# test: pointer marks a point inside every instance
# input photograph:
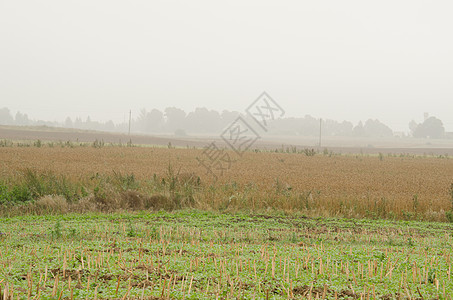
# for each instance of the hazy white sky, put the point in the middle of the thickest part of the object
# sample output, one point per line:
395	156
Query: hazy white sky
391	59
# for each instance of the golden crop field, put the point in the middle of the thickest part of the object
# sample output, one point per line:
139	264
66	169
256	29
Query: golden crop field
324	184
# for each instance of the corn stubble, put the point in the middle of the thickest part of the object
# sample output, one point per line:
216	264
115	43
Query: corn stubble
199	255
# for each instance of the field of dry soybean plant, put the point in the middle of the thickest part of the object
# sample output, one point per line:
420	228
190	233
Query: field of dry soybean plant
325	184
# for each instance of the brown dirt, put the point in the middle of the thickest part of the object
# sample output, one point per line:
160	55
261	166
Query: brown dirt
335	144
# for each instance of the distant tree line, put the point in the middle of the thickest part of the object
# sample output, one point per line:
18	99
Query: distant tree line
21	119
432	127
203	121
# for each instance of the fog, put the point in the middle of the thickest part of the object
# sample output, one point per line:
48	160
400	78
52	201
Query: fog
340	60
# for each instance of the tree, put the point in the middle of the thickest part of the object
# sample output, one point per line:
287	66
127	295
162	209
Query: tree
359	130
344	128
203	120
175	118
68	123
412	126
109	126
155	120
5	117
150	121
375	128
228	117
431	128
308	126
78	123
141	120
22	119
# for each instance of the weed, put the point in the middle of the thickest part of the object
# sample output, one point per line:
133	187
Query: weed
125	182
410	242
309	152
450	192
293	238
130	229
98	143
381	156
154	233
449	216
72	233
20	193
431	275
56	232
407	215
37	144
6	143
15	195
415	203
380	256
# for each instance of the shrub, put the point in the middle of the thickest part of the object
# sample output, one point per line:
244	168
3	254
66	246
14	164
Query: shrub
449	215
20	193
3	193
450	192
125	182
42	184
98	143
16	194
309	152
37	144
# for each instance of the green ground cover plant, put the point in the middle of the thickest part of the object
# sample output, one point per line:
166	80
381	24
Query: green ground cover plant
192	254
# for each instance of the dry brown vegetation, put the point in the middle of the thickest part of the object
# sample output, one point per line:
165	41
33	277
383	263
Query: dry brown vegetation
399	186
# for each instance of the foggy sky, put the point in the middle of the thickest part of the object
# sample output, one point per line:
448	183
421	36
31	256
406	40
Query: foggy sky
353	60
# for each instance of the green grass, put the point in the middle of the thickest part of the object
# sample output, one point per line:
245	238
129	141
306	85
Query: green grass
189	254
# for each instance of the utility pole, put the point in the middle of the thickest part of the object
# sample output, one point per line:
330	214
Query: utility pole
320	132
130	114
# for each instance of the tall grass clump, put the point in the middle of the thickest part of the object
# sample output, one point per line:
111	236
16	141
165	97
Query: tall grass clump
47	183
449	214
6	143
14	194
